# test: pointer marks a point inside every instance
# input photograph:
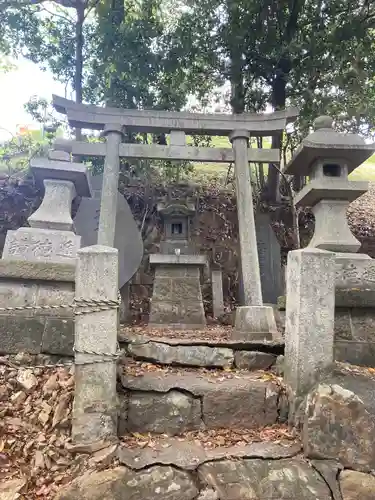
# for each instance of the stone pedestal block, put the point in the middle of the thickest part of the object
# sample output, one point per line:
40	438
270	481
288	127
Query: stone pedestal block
310	307
33	244
255	323
95	402
33	284
354	280
177	298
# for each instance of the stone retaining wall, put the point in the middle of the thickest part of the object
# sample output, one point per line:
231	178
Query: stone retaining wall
172	404
30	284
178	470
354	334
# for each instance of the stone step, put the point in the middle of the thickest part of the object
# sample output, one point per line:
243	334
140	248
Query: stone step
173	400
179	469
196	448
204	349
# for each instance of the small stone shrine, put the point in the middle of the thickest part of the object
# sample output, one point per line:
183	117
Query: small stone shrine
38	263
327	158
177	296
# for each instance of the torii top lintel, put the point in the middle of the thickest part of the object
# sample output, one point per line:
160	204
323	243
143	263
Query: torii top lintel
95	117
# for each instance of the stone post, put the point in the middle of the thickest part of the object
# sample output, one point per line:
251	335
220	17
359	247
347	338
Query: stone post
246	222
309	327
95	401
217	292
108	206
253	321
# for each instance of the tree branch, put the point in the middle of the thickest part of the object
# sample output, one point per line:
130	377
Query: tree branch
66	18
30	3
91	8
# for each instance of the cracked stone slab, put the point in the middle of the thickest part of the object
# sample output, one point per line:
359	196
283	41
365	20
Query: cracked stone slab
339	421
243	402
196	355
189	455
357	485
256	345
329	470
286	479
166	483
171	413
196	384
254	360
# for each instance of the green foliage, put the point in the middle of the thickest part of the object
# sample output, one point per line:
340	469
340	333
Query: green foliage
314	54
16	153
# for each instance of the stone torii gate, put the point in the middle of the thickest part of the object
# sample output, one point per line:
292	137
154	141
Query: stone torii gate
253	319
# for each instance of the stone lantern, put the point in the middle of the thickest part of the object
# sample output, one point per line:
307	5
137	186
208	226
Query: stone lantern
177	297
327	157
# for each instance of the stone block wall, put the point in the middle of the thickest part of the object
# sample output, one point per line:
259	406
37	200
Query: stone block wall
355	335
177	297
36	331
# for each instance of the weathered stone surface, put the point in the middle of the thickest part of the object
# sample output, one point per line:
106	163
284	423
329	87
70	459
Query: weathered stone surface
170	413
48	271
9	490
240	407
255	323
279	365
55	210
43	168
182	355
183	454
189	455
354	280
177	300
357	486
217	292
262	479
128	240
308	335
208	494
239	401
355	353
329	470
253	360
58	336
196	384
121	483
269	258
18	333
95	398
164	121
340	422
134	338
43	245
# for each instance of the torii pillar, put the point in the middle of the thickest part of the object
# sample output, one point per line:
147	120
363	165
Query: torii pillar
254	321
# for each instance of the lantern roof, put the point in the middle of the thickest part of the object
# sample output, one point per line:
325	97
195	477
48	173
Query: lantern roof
327	144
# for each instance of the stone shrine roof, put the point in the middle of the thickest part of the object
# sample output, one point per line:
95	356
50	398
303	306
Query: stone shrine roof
328	144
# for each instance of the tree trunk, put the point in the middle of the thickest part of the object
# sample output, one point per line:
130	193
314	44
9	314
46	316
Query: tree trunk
79	58
235	50
278	102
